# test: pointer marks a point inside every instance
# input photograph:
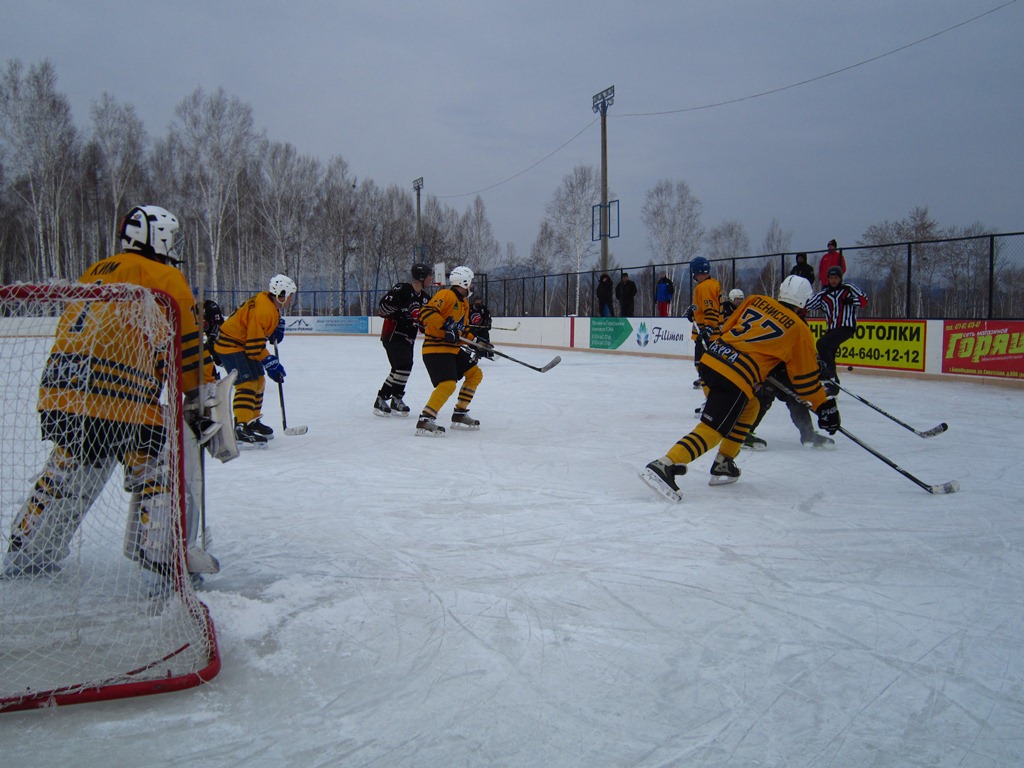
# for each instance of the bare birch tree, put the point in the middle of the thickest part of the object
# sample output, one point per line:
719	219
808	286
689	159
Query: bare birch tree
211	141
41	146
569	215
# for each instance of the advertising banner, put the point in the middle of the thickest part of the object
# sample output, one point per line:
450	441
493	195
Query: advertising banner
299	324
984	348
664	335
893	344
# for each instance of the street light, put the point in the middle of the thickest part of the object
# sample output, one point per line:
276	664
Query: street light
417	184
602	101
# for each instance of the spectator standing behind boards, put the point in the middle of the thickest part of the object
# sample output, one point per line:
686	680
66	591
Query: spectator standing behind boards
833	257
625	292
803	269
605	292
663	292
839	301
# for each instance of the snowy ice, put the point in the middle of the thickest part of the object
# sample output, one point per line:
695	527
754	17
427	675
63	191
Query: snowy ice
515	596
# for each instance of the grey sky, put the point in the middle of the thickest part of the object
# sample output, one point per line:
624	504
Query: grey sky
469	94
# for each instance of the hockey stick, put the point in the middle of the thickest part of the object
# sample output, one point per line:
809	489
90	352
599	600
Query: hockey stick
301	430
499	328
493	351
936	430
951	487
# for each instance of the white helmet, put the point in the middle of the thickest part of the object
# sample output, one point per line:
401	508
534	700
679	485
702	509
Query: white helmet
462	277
736	296
150	230
795	291
282	284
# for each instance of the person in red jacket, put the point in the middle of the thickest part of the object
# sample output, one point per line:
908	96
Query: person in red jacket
833	257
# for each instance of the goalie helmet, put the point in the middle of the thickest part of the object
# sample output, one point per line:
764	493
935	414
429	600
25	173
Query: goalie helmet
795	291
150	230
282	284
461	277
736	296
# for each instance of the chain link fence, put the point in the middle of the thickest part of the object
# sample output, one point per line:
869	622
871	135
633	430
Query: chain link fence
970	278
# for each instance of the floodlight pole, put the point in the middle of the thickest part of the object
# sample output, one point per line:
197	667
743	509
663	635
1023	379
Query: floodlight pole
602	101
417	184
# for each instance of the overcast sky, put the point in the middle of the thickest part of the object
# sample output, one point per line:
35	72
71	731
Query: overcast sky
472	96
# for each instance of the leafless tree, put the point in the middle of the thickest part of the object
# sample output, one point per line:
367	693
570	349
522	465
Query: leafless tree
286	182
211	141
569	215
41	147
122	146
672	215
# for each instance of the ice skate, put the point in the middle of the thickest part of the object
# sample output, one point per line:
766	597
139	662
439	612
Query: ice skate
426	426
259	428
755	443
698	384
381	407
249	438
462	420
814	440
660	478
398	407
724	471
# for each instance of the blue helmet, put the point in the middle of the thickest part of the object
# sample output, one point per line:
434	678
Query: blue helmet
700	266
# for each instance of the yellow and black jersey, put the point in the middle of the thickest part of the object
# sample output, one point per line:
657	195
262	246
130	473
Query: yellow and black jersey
759	335
445	304
249	327
104	365
707	297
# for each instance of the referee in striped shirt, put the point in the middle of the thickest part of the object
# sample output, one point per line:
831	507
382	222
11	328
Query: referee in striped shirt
839	302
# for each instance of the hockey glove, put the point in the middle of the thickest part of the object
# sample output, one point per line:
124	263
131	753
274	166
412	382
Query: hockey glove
277	335
704	334
452	331
274	368
688	313
828	416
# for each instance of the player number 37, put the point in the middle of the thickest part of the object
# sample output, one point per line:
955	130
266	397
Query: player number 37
752	318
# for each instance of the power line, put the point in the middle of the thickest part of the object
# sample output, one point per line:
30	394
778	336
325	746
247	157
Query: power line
727	102
818	77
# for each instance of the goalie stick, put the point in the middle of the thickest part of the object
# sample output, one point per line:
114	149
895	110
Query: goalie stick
301	430
936	430
951	487
540	369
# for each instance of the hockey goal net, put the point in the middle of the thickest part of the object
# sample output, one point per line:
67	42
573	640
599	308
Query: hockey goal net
81	619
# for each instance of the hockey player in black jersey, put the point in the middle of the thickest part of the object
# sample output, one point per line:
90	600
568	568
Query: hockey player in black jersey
400	308
480	324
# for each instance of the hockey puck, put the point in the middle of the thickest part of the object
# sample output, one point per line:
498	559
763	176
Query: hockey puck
849	367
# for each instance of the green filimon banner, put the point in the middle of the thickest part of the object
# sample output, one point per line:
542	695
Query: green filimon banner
609	332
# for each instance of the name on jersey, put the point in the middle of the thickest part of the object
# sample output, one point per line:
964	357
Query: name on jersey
772	310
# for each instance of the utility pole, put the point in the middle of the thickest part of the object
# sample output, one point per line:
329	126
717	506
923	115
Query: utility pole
602	101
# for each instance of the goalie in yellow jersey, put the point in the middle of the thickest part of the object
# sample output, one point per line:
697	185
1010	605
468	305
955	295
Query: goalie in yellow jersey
758	336
99	403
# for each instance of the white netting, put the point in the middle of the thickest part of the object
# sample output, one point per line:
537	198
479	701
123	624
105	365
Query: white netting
80	619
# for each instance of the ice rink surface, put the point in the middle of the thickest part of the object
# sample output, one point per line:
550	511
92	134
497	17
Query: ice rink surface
516	596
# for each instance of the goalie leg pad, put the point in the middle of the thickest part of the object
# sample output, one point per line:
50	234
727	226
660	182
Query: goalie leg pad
222	445
48	520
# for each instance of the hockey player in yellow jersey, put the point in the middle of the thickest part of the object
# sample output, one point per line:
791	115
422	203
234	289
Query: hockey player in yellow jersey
706	311
99	403
445	318
242	346
761	333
